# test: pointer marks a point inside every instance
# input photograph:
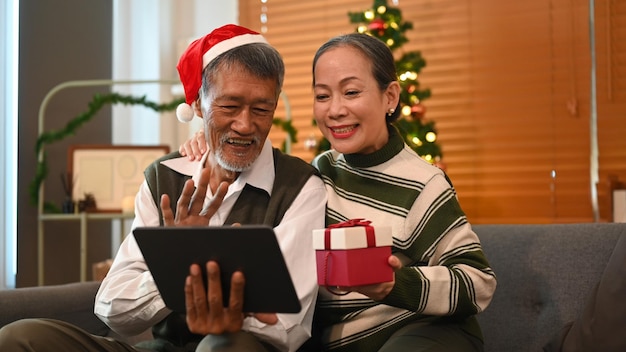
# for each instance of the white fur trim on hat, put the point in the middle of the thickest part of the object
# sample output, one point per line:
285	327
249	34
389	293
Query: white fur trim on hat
231	43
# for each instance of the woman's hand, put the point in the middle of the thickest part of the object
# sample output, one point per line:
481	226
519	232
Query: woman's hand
195	147
377	292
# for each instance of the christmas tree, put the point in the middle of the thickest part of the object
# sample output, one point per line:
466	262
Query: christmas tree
385	23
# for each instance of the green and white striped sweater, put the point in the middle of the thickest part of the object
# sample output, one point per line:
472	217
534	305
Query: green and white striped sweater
445	277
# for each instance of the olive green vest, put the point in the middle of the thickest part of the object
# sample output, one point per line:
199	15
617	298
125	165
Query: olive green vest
254	206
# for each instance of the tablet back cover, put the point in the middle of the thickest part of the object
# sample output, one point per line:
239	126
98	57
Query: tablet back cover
253	250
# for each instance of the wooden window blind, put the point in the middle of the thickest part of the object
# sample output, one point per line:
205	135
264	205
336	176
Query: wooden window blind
510	98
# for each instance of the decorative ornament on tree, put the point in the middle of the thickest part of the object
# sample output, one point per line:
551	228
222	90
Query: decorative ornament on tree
377	25
418	111
385	23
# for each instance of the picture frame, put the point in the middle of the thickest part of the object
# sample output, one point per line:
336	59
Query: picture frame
110	173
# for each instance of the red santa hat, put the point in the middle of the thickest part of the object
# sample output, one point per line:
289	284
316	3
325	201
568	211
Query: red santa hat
200	53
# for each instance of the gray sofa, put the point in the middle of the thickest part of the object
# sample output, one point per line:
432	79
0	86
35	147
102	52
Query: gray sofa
69	302
545	273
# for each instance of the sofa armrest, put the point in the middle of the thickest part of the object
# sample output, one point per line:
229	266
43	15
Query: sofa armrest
72	303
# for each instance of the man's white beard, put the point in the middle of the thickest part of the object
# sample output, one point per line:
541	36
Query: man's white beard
229	166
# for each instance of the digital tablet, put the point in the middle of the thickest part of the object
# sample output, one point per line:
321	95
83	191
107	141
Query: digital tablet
253	250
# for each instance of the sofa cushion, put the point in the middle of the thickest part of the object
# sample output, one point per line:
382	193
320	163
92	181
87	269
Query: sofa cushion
545	273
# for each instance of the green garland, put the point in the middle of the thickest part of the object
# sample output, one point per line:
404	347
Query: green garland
95	105
72	126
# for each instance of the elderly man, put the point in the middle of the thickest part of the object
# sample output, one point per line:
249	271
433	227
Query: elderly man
232	80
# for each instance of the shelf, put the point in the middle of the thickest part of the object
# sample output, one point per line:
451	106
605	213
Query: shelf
88	216
83	217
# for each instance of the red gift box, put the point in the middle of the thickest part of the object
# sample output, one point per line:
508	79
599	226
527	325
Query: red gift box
353	253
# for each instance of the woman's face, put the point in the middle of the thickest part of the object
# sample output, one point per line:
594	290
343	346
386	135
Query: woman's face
349	106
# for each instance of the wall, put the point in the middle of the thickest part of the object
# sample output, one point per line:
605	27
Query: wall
59	41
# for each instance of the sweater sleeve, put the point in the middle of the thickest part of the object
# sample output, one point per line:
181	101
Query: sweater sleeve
445	271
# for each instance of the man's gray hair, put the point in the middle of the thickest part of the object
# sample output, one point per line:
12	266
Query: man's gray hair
260	59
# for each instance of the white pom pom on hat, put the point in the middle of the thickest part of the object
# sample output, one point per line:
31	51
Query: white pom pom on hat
184	112
200	53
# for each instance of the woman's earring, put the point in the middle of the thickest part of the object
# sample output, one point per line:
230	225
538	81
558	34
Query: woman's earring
390	112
